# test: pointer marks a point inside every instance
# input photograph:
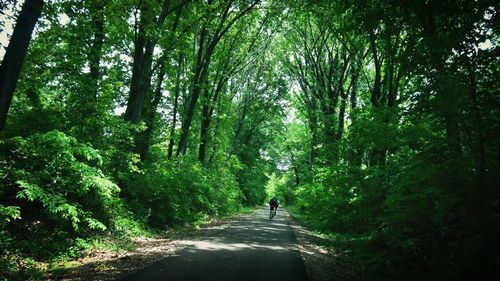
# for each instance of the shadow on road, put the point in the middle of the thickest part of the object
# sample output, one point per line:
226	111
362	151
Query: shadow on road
251	248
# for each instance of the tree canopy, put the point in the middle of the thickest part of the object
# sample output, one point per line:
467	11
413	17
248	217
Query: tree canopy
376	122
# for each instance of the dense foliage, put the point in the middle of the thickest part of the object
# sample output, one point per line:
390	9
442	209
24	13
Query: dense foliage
130	117
376	122
395	142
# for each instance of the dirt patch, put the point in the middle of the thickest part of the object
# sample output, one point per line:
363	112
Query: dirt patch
107	265
322	263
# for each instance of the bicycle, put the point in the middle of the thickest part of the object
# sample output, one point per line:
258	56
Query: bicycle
273	213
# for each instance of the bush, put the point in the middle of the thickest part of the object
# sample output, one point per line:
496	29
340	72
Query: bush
253	181
167	193
63	177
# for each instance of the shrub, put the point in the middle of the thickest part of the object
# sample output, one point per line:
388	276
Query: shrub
177	192
63	177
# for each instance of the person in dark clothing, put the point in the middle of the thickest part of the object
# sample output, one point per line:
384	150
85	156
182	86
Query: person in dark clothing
273	205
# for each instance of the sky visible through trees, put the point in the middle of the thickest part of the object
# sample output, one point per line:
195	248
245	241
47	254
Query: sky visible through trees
376	123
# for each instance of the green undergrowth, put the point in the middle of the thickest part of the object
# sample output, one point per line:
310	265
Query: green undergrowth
351	247
366	252
62	199
57	255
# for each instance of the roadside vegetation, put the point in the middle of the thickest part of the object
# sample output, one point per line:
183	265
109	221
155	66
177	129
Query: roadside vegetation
375	122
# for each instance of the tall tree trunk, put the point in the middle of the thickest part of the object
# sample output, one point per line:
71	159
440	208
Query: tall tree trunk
207	113
198	80
354	90
391	82
143	58
445	97
204	58
149	107
143	140
314	143
340	129
392	79
205	124
135	98
15	54
328	120
376	91
355	155
88	127
175	109
95	54
294	165
188	119
312	111
203	63
216	130
239	126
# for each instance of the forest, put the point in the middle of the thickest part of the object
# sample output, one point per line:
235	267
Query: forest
376	122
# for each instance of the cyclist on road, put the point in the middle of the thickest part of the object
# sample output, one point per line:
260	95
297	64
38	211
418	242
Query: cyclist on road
273	204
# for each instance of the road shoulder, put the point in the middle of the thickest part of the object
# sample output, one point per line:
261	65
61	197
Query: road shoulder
322	263
105	264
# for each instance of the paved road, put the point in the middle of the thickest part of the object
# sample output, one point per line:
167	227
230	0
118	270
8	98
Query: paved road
251	248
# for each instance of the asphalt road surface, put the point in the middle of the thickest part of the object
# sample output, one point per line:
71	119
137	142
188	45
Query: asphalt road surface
251	248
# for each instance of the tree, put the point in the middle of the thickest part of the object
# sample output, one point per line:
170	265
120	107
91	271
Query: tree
208	41
15	54
376	122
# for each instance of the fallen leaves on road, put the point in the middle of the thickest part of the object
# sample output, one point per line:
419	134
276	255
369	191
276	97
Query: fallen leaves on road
102	264
322	263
